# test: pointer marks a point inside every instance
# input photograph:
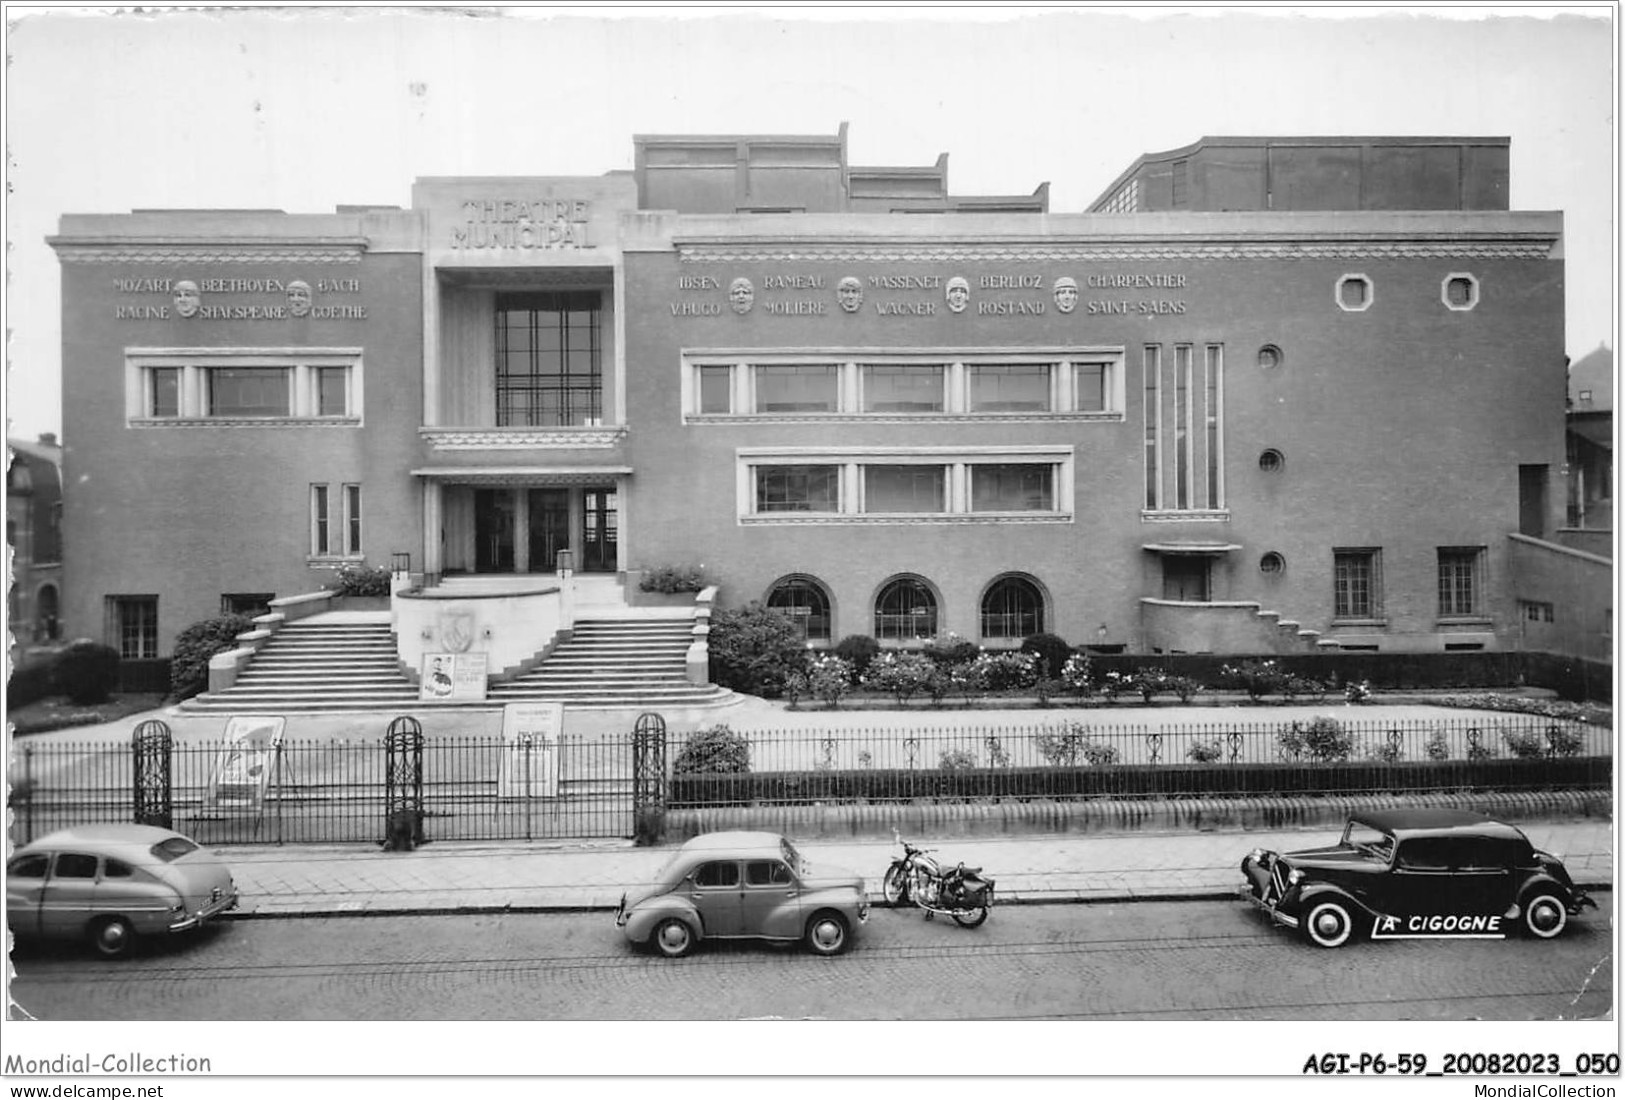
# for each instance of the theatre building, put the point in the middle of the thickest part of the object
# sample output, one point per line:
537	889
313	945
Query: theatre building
1267	396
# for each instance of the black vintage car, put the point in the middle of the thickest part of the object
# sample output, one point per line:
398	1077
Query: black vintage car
1416	874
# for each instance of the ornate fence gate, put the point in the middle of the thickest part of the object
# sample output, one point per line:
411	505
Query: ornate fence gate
403	783
151	748
648	776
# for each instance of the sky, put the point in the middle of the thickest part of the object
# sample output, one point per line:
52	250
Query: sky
303	109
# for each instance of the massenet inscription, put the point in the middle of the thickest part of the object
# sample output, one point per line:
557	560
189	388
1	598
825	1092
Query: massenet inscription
1025	294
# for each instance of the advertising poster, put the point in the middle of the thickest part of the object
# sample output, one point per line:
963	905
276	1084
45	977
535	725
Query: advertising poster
530	750
453	678
243	770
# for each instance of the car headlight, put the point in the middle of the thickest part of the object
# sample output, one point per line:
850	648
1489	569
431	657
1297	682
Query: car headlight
1256	855
1294	876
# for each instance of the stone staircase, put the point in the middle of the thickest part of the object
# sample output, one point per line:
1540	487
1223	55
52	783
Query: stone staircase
620	661
320	665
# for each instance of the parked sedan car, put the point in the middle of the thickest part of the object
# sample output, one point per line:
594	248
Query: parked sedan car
742	885
1416	874
110	884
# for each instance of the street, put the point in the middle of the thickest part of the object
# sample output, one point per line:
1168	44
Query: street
1127	961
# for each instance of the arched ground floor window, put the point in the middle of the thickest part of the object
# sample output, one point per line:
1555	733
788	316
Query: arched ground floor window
807	602
1012	607
905	608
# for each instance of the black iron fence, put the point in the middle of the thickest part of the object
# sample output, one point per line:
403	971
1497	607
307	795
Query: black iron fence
1082	759
333	791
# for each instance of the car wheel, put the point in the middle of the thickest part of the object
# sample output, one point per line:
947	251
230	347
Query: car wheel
1545	916
673	938
976	918
895	885
827	933
112	937
1328	924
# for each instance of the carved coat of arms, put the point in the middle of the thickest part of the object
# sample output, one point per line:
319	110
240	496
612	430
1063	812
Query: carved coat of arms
457	630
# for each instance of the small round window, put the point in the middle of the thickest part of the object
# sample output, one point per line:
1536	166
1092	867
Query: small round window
1459	291
1271	563
1271	461
1269	356
1354	293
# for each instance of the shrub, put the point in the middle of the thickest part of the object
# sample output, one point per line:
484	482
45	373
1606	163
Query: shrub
1077	675
1205	752
673	578
189	666
858	650
1099	753
997	755
1256	678
1301	687
1387	751
1112	685
754	649
1148	682
830	678
1186	687
361	580
968	678
1323	739
714	751
1564	742
88	672
1006	671
956	760
1555	741
950	649
1062	745
1437	748
32	680
1050	649
1357	693
1046	689
902	675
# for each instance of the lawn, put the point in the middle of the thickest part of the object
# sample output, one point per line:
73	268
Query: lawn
58	712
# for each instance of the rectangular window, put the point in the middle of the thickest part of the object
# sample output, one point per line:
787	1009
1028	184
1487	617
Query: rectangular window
1211	409
905	488
798	488
1009	387
249	391
1535	611
134	626
332	391
352	519
798	388
165	385
549	359
1356	581
1012	487
1153	426
905	389
1090	387
320	543
716	390
1459	583
1183	468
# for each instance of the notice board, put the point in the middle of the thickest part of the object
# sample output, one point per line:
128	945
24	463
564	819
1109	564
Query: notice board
530	750
453	678
245	765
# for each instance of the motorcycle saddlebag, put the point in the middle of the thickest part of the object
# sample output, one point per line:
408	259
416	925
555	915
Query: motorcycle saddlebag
978	891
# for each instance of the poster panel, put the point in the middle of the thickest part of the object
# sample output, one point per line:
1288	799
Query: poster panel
453	678
243	769
530	750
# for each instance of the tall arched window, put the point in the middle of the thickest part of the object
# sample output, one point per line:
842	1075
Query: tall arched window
805	600
1012	607
905	609
47	626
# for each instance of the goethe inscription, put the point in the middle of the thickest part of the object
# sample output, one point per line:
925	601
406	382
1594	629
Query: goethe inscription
188	299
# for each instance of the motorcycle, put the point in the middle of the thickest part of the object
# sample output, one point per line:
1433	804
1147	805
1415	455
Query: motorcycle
917	878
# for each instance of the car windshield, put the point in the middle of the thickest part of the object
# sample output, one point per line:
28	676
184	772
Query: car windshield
173	848
1366	839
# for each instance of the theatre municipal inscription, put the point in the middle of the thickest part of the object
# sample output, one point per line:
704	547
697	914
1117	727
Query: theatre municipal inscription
188	299
953	294
529	225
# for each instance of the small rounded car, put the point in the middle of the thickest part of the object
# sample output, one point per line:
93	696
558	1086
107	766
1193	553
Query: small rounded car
110	884
1416	874
743	885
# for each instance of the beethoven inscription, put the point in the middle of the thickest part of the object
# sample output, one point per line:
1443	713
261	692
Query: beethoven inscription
189	299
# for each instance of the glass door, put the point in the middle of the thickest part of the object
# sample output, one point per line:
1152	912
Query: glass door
493	530
549	527
598	531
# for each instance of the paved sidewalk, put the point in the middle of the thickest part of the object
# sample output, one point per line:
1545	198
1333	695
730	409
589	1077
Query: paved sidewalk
447	877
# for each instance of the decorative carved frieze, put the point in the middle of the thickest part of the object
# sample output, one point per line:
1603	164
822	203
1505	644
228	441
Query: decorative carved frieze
70	253
245	422
903	418
831	519
522	439
1193	516
1036	252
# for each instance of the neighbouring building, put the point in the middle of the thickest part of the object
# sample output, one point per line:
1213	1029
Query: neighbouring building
1268	395
34	537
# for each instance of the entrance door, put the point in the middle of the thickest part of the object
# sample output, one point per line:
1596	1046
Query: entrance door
1185	577
493	530
598	534
549	527
1532	501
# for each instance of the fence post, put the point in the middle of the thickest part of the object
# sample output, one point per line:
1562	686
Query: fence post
648	778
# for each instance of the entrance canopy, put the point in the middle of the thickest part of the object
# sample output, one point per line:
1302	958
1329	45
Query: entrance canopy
523	476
